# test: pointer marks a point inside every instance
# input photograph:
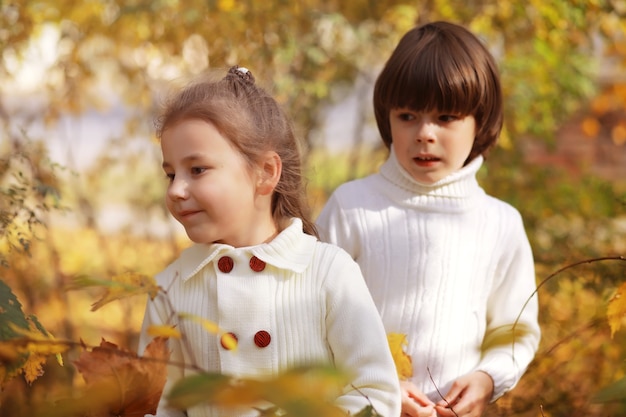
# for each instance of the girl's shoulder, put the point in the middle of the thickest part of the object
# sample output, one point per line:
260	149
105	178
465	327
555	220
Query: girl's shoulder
189	262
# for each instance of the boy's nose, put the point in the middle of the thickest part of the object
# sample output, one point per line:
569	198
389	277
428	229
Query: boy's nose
426	133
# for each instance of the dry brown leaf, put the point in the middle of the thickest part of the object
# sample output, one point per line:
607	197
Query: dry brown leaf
136	383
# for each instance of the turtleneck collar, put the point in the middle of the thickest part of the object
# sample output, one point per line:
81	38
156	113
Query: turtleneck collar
457	192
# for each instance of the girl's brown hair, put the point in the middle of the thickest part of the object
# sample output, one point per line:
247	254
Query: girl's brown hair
253	121
444	67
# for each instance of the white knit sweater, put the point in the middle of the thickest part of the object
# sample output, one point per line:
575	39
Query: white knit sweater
447	265
310	298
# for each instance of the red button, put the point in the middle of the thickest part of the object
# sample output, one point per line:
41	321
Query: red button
256	264
225	264
226	343
262	338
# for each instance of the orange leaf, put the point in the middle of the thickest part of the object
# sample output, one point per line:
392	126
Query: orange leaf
33	368
136	383
404	366
616	310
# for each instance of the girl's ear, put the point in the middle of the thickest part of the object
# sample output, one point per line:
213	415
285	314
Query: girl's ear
270	168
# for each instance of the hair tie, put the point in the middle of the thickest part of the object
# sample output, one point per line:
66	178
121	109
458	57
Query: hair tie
243	73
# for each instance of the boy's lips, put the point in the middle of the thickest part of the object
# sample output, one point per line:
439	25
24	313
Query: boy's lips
426	158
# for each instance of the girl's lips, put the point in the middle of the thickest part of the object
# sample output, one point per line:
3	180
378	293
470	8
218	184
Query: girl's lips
187	213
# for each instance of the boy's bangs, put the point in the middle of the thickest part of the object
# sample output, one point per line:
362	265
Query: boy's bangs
438	83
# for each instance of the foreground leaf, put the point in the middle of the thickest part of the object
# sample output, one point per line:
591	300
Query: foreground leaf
24	342
128	284
135	383
299	392
226	339
404	366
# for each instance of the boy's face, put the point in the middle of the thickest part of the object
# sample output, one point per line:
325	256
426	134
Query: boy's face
431	145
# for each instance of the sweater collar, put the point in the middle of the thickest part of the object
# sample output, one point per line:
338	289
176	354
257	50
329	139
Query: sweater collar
291	249
456	192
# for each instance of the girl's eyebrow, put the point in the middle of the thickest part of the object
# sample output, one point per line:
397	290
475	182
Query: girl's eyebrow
188	159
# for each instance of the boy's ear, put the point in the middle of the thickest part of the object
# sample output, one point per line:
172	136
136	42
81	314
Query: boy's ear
270	168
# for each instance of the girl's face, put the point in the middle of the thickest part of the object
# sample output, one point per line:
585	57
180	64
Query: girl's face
431	145
212	190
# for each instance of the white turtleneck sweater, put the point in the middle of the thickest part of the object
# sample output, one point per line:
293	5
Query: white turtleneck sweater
447	265
309	302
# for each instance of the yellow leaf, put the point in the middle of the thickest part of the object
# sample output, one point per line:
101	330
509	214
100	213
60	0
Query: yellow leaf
35	342
616	310
33	368
164	331
127	284
227	340
404	365
208	325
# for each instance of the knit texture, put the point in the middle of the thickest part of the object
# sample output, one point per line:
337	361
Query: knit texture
447	265
310	298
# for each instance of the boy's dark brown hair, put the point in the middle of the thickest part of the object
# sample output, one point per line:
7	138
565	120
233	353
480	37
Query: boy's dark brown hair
254	123
444	67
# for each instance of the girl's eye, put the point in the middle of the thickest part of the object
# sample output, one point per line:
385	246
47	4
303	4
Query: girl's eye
197	170
170	177
406	117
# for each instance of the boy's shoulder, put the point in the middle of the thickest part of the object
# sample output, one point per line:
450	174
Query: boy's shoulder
501	208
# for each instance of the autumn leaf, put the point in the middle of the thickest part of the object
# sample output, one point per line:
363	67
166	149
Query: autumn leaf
227	339
164	331
33	368
616	310
203	388
121	286
404	365
24	342
301	392
368	411
136	383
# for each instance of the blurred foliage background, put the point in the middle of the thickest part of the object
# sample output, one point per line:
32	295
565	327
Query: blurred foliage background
82	189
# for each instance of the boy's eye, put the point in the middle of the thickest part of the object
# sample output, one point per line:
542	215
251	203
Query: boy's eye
169	176
448	118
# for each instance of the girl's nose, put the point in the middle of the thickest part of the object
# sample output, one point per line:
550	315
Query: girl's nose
177	189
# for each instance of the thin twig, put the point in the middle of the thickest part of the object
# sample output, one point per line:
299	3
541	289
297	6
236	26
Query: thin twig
548	278
439	392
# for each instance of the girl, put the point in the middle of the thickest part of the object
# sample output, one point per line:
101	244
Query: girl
446	264
257	269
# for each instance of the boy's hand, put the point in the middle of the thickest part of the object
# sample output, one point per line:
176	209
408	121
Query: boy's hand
468	396
414	402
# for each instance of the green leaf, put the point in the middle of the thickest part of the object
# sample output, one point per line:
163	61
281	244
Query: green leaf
10	313
196	389
614	392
